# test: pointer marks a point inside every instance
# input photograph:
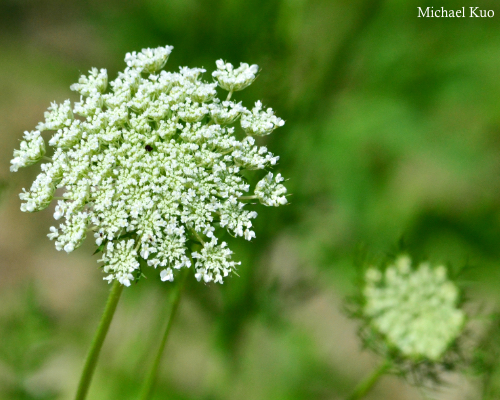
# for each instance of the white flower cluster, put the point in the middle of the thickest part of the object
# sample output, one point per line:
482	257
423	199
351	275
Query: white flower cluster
152	167
97	81
232	79
57	116
32	149
260	123
149	60
270	191
415	309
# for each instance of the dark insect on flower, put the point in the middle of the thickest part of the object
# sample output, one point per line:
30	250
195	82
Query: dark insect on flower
148	148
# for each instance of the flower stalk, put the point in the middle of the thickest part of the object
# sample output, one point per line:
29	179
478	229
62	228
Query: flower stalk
367	384
96	345
147	389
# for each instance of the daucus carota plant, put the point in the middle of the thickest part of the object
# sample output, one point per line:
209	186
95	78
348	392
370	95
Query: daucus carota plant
412	316
152	164
414	309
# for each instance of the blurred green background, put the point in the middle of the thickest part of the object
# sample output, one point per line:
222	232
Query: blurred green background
392	131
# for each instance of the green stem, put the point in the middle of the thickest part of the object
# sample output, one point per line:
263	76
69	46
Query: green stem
147	389
100	335
364	387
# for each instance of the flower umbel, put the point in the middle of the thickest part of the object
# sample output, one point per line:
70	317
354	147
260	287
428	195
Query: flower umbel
152	166
415	310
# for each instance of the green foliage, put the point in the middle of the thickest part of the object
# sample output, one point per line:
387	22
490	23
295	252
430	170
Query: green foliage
27	333
485	361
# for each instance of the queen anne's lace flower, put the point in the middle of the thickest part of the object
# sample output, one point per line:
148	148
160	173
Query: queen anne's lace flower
57	117
270	191
414	309
148	60
96	82
232	79
260	123
152	167
32	149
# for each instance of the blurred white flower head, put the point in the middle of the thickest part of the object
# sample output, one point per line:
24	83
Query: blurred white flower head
153	165
415	309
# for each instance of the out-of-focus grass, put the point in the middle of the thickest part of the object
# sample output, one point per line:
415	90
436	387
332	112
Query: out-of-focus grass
392	130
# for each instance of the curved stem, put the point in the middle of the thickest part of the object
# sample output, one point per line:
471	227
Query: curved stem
147	389
364	386
100	335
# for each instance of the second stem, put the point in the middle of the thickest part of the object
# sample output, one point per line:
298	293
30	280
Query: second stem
364	387
100	335
149	383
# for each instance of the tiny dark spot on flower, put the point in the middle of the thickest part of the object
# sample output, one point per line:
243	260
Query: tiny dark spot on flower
148	147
